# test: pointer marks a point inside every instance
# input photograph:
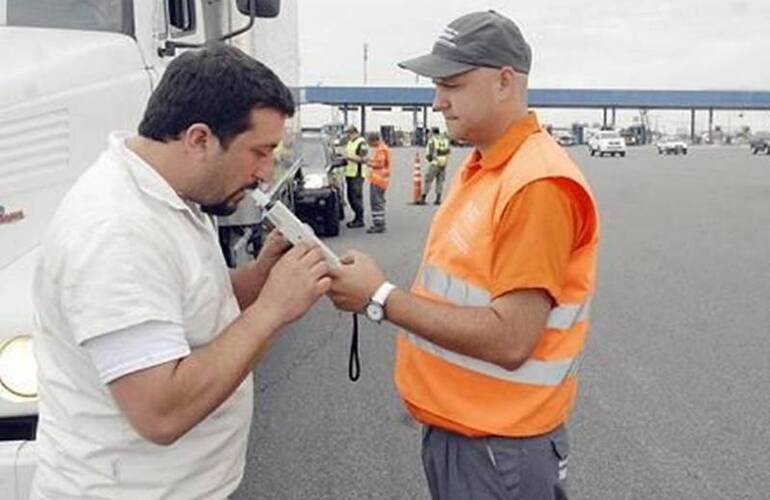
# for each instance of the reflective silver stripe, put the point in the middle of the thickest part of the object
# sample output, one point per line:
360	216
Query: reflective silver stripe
460	293
566	316
491	454
534	372
452	289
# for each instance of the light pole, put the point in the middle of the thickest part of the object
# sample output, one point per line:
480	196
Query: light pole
366	58
414	112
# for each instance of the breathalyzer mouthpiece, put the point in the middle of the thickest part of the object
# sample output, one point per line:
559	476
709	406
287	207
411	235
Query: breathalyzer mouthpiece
262	198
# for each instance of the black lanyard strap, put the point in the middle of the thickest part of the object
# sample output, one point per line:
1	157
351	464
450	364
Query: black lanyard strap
354	363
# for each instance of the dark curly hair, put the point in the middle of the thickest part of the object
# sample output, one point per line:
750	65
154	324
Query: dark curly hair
218	85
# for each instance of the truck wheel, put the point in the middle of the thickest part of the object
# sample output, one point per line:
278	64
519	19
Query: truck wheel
591	152
341	212
623	154
331	225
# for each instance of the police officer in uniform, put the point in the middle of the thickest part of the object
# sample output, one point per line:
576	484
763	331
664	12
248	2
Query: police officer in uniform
356	152
437	153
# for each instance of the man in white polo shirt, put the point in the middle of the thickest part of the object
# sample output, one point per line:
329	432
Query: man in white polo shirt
147	342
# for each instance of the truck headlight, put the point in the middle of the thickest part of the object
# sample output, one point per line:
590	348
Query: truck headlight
18	371
316	181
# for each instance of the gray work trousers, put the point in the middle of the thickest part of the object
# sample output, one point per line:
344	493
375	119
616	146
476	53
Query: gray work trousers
356	196
377	201
435	173
463	468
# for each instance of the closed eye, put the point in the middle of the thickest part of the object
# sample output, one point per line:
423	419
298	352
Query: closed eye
262	152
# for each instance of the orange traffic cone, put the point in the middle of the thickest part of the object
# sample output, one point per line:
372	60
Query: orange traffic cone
417	181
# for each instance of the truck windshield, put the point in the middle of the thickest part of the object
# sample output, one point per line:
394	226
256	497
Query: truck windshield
313	154
93	15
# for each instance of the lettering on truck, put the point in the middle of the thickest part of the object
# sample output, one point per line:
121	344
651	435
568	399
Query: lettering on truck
10	217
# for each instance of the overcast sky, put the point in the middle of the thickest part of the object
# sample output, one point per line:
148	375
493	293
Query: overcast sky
670	44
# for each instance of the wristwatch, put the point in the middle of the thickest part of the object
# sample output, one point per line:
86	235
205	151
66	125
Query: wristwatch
375	309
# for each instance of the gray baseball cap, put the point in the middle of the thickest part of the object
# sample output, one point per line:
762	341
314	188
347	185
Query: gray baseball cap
479	39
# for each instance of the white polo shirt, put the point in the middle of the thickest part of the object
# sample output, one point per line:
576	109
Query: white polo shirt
124	250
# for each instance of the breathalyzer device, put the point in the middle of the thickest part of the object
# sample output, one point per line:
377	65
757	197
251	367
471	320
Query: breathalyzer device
290	226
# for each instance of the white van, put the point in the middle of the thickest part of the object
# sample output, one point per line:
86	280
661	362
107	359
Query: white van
607	142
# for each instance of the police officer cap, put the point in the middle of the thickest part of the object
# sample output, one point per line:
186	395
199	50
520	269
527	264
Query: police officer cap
479	39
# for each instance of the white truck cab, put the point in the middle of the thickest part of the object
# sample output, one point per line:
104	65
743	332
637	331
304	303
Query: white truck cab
71	71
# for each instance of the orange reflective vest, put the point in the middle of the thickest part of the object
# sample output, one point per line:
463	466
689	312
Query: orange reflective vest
471	396
379	166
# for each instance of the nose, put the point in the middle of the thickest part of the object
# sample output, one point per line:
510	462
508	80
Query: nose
440	102
264	169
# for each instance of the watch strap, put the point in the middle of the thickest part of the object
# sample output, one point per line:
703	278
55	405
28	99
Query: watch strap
383	292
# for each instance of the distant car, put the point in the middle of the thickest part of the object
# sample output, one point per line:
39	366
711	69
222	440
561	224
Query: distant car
318	193
607	142
565	139
671	145
460	143
631	140
760	145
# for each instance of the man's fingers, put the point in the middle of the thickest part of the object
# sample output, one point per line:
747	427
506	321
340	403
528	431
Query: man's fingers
313	256
276	244
323	285
338	272
319	269
297	251
307	252
279	238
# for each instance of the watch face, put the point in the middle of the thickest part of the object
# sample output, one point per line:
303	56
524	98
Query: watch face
374	312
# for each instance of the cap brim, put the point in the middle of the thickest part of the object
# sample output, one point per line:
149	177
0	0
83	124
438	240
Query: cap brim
433	66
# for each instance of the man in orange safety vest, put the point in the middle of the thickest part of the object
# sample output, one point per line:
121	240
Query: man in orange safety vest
379	179
494	325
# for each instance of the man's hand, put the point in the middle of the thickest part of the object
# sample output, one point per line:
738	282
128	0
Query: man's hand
354	281
248	279
273	248
295	283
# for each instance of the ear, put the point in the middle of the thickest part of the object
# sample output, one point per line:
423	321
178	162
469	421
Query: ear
506	83
198	139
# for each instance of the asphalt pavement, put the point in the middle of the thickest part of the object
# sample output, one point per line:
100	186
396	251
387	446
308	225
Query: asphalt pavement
673	402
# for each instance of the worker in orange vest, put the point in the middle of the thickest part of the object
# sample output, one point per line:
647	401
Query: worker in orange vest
494	326
379	178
